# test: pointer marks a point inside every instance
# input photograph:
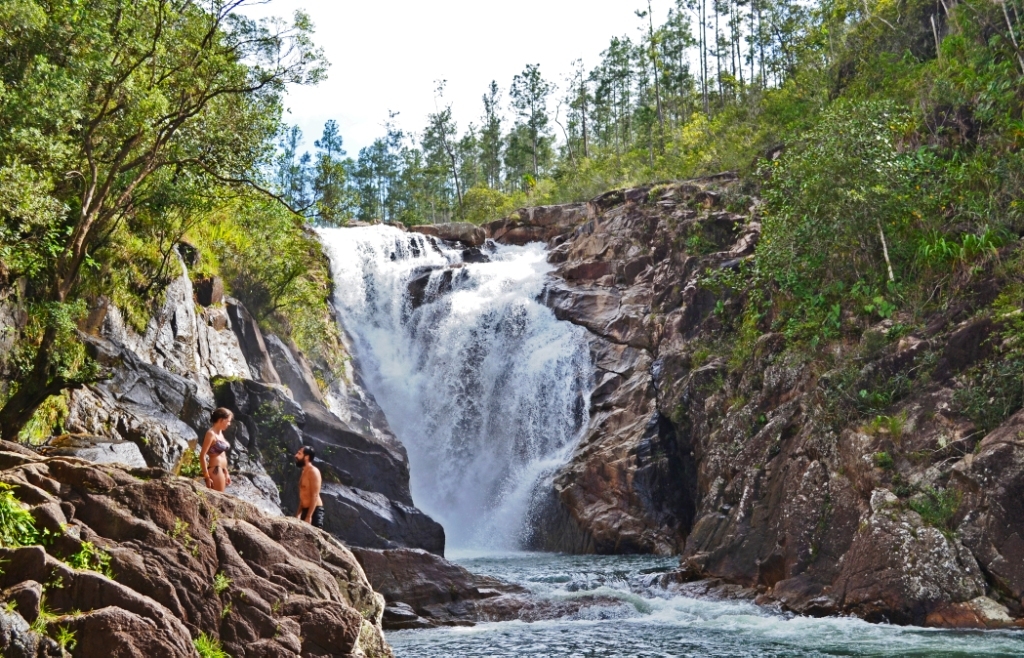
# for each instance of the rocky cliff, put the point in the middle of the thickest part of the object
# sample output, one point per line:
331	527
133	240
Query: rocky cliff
734	455
202	350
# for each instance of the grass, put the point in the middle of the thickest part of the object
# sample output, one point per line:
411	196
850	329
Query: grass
221	583
883	460
91	558
17	527
937	508
208	647
66	638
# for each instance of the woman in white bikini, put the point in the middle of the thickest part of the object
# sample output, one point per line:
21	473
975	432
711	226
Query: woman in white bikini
215	447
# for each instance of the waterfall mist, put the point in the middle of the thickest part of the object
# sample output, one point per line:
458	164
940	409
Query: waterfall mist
487	390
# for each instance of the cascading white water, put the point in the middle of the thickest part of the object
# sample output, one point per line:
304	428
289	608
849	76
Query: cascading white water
483	385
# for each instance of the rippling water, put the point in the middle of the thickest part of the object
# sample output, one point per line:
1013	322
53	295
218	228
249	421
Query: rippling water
652	621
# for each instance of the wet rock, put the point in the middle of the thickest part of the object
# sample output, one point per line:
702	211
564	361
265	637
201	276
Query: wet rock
433	588
250	338
17	640
294	371
475	255
981	612
423	590
468	234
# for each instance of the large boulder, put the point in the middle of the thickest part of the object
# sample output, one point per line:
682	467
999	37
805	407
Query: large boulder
464	232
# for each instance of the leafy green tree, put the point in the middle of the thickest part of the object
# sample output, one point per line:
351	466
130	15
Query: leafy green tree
529	94
332	196
840	204
140	97
439	141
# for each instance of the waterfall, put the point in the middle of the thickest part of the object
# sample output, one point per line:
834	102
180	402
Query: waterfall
486	389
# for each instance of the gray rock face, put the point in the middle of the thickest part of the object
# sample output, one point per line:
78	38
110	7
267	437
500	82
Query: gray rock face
158	400
294	371
366	481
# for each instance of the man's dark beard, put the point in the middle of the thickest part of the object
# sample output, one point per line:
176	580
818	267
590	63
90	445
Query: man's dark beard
299	463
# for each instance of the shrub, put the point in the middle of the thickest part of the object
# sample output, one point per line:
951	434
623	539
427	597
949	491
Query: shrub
883	460
482	204
832	196
190	465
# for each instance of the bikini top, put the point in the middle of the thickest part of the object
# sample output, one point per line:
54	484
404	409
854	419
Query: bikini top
219	446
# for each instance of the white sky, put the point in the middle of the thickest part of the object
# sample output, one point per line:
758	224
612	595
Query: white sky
387	54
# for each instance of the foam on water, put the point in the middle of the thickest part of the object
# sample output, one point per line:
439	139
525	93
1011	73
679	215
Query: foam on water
486	389
654	621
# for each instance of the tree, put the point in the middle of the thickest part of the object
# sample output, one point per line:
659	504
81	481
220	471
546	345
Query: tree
293	171
490	136
439	138
141	96
330	181
529	93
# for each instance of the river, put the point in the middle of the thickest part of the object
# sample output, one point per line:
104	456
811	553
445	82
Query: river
653	621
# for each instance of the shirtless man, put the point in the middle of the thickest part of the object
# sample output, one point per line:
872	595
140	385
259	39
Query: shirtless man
311	508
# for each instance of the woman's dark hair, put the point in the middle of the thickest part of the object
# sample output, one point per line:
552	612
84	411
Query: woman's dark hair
220	413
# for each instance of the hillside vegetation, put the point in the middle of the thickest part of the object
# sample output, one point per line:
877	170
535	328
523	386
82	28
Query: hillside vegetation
130	129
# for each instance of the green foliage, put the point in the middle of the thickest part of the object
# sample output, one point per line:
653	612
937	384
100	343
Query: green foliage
891	425
883	460
208	647
47	421
937	508
833	195
68	363
17	527
221	583
277	268
152	111
91	558
482	204
190	466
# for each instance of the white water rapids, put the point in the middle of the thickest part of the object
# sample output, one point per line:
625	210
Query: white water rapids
486	389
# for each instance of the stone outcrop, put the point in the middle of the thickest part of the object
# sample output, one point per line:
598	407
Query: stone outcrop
734	461
166	560
163	383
